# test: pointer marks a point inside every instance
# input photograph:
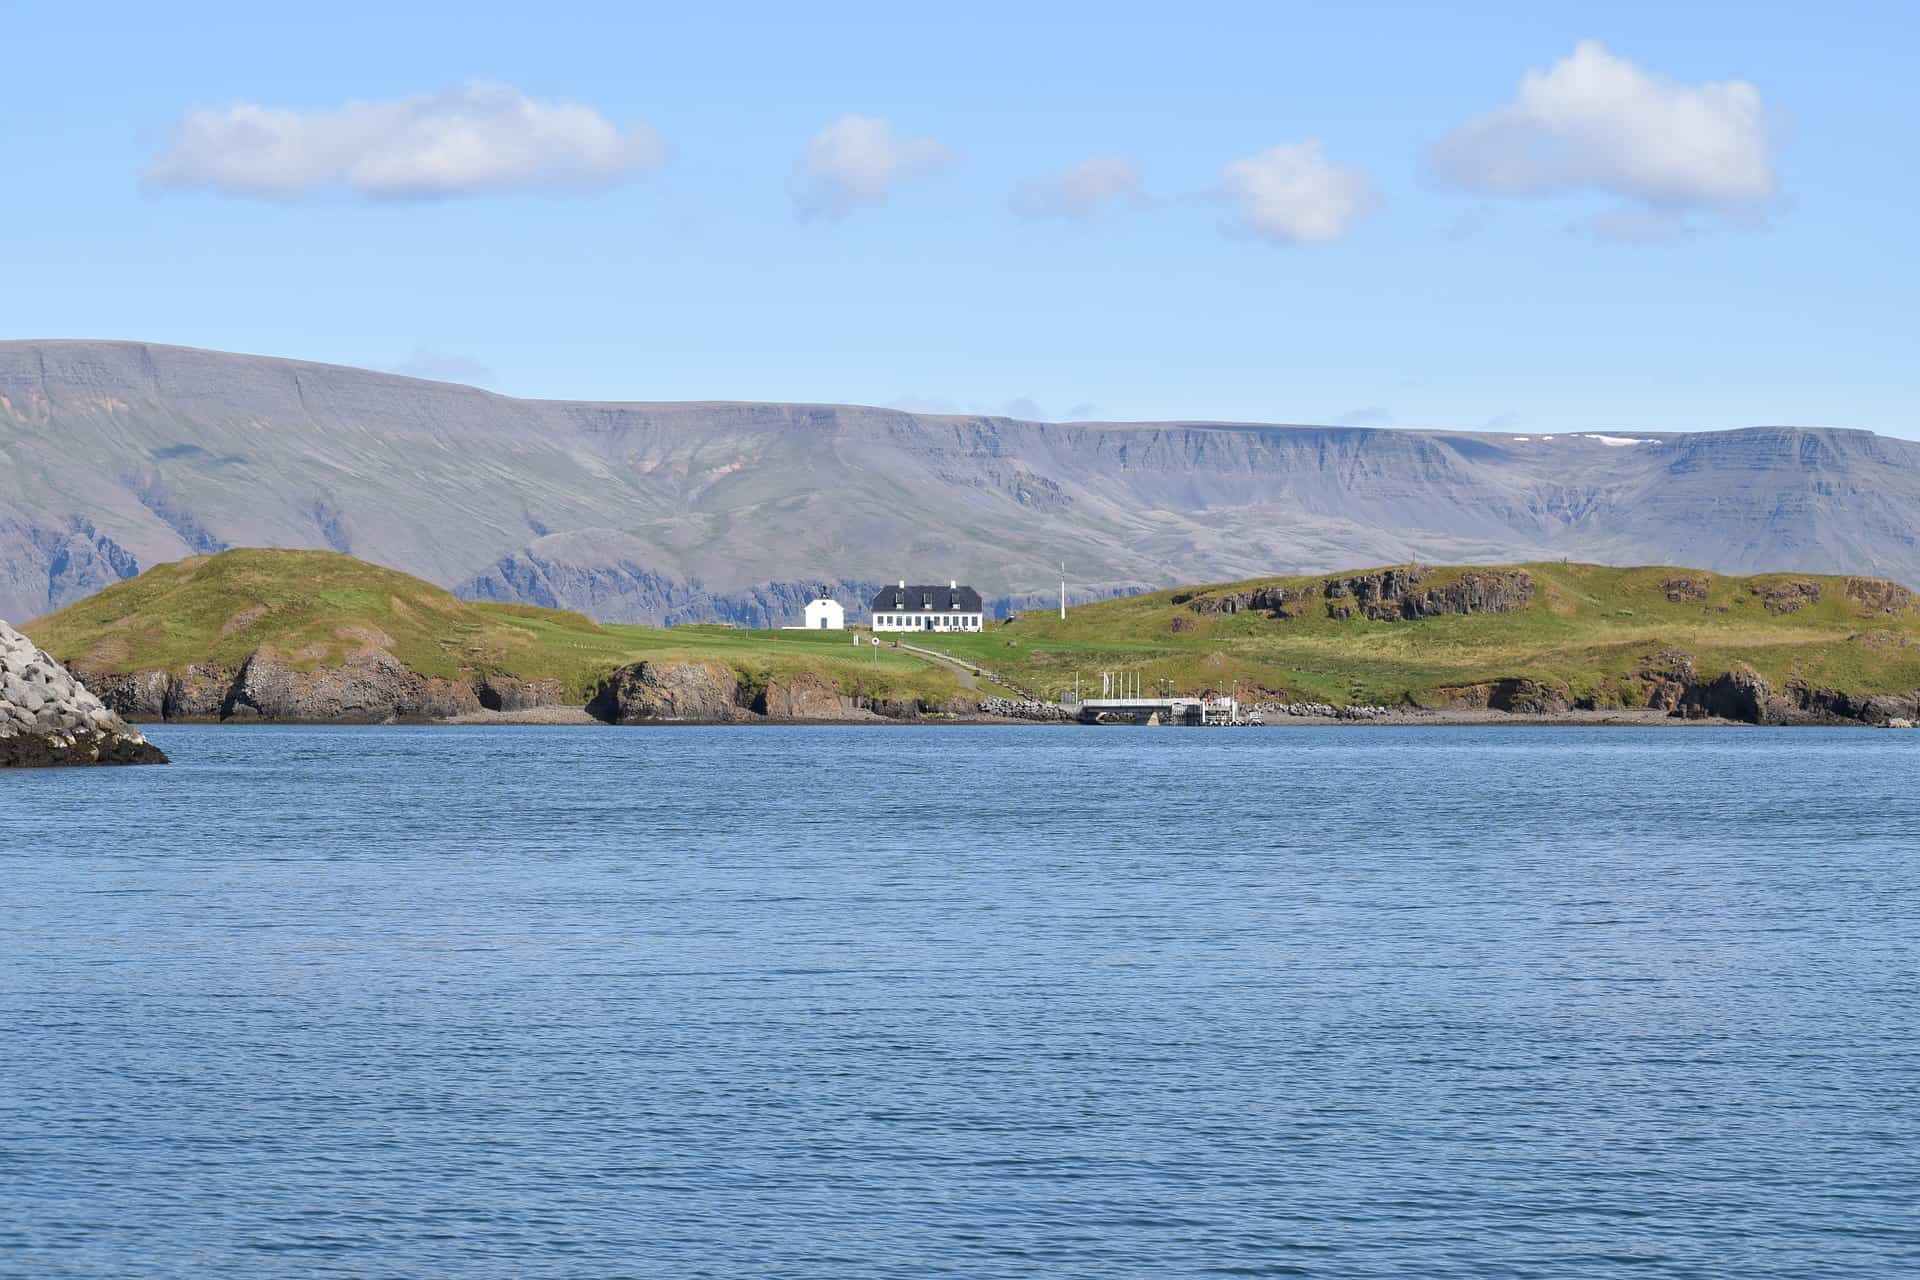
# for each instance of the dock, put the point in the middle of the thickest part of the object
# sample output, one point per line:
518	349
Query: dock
1139	710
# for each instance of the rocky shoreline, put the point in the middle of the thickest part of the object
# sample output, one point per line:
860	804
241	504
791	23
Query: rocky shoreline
375	688
48	718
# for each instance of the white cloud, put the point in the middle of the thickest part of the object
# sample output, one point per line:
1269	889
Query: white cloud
475	138
1084	190
1596	121
1294	194
858	160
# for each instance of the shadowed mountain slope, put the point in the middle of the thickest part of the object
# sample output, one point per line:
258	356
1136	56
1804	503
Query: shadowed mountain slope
115	456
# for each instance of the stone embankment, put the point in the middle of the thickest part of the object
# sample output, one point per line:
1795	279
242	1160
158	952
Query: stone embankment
1321	710
1025	709
48	718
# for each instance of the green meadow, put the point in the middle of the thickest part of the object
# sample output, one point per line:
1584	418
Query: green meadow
1587	630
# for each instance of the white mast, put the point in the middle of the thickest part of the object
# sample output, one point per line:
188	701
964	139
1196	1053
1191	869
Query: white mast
1063	591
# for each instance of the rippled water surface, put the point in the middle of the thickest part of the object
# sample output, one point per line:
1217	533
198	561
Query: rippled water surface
853	1002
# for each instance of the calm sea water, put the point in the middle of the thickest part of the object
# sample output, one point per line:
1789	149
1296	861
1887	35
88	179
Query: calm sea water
964	1001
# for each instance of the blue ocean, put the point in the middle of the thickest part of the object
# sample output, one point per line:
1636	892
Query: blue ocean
964	1001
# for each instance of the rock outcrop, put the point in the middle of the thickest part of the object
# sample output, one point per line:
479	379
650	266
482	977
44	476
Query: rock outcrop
1744	694
1686	590
1397	595
690	691
1386	595
807	696
369	688
1275	602
1879	596
1514	696
508	693
1739	694
48	718
1663	679
1781	598
649	692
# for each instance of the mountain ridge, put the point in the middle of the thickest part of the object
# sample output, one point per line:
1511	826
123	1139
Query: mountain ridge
121	455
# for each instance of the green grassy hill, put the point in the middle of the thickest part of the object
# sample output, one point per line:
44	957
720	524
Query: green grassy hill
1593	632
1577	635
314	609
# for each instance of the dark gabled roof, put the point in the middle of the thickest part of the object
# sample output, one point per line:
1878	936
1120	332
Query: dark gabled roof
912	597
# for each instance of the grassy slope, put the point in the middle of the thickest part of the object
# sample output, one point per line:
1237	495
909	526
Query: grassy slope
1587	628
315	608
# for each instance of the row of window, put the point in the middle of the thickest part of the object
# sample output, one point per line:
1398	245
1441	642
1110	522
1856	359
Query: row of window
938	622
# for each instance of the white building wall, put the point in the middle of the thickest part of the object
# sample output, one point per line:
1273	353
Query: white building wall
825	615
914	620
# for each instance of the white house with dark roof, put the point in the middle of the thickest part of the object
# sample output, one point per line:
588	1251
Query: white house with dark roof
924	608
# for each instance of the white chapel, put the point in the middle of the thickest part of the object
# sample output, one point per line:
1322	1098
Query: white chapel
825	614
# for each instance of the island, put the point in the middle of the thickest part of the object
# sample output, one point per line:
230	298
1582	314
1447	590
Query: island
309	636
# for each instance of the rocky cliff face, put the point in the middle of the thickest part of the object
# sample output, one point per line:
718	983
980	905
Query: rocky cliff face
124	455
646	692
370	688
1743	694
1387	595
807	697
49	718
713	693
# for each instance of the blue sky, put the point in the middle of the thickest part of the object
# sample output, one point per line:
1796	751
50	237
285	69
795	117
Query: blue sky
1698	217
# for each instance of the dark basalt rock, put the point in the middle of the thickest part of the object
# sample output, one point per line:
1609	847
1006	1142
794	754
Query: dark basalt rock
1397	595
1276	602
1389	595
1516	696
1782	598
367	689
649	692
1830	706
1743	694
1740	694
509	693
1877	595
1686	590
807	696
1528	697
1664	678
